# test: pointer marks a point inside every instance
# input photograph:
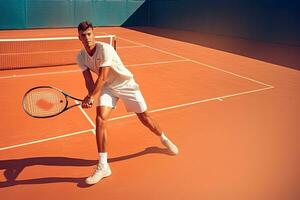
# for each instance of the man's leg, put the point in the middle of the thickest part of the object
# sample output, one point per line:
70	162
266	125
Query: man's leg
103	170
146	119
103	113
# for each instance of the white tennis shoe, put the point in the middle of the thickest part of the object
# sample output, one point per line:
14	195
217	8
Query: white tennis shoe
170	146
99	173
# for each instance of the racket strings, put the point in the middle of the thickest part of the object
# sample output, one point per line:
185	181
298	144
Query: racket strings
43	102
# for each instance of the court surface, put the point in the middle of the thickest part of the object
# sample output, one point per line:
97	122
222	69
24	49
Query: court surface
234	118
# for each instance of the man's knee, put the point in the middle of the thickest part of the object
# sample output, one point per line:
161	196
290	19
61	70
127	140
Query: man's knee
102	115
101	121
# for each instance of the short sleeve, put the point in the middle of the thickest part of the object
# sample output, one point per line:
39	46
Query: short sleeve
107	56
80	62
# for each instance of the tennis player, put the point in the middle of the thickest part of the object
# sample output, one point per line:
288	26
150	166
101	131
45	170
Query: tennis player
114	82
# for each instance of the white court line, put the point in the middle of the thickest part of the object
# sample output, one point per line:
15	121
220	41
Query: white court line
221	98
131	115
128	47
157	63
78	70
200	63
86	116
47	139
39	74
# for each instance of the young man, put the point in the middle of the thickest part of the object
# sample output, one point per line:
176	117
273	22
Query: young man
114	82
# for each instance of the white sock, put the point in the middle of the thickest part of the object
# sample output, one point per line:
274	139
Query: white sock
163	137
103	159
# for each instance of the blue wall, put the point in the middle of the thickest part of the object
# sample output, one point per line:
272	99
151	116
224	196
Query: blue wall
268	20
21	14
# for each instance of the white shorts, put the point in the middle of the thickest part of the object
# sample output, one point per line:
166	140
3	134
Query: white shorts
130	94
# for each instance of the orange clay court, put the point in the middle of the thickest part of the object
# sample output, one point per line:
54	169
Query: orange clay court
234	118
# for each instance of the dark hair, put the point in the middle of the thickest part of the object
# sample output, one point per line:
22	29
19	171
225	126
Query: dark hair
85	25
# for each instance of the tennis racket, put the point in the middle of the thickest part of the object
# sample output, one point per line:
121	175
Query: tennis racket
46	101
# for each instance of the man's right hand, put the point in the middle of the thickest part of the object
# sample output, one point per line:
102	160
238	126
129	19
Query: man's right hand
87	102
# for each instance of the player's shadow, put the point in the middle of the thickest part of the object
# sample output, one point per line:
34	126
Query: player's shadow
13	168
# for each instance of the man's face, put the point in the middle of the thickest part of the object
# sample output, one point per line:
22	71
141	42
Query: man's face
87	38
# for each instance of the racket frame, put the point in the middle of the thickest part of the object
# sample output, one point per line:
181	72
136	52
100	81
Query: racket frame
59	90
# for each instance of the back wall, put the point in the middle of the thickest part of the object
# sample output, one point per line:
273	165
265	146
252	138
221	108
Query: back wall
268	20
25	14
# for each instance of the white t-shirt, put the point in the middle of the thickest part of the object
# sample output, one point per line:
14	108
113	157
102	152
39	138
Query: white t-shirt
105	56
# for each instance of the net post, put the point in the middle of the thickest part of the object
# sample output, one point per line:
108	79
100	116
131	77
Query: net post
115	43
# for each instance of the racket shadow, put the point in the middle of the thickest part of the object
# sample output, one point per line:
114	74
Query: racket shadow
13	168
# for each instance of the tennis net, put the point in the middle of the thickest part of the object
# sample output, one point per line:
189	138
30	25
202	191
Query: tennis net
43	52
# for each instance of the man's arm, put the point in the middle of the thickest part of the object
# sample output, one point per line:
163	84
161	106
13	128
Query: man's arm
89	82
102	77
90	85
94	87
